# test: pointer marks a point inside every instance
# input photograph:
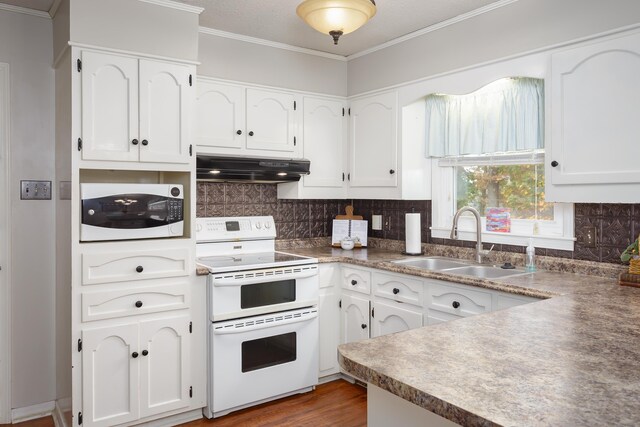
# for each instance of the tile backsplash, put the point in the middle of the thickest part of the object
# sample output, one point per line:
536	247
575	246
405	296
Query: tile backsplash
616	225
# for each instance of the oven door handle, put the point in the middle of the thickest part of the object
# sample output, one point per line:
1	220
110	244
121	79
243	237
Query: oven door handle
233	330
230	280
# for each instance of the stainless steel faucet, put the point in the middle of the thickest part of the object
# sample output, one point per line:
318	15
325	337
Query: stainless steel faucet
480	253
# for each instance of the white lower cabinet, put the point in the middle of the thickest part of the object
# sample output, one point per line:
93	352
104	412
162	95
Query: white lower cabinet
135	370
354	318
329	319
390	317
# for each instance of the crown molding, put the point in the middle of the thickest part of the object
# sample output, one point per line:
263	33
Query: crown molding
432	28
54	8
175	5
263	42
24	10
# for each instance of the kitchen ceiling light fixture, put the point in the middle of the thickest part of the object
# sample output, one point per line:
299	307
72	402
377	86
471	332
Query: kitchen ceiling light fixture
336	17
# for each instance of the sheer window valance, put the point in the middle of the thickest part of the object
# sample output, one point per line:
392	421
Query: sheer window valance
504	116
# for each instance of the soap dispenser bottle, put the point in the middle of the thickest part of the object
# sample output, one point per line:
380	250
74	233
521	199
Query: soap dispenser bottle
531	257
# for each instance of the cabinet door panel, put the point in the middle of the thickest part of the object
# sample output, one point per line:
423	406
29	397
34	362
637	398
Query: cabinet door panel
220	115
373	143
110	375
270	116
391	318
354	318
324	137
596	113
164	112
329	324
109	107
164	370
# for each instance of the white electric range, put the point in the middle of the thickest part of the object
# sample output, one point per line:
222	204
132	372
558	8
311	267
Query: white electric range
262	307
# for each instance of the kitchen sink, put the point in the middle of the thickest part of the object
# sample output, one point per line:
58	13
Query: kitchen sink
448	265
485	271
431	263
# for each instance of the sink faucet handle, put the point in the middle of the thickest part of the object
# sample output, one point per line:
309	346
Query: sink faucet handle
490	249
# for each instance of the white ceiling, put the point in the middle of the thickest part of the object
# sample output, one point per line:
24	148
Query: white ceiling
276	20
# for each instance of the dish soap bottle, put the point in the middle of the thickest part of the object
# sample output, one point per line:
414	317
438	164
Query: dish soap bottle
531	257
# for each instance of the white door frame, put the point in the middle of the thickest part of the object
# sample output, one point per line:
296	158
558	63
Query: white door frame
5	252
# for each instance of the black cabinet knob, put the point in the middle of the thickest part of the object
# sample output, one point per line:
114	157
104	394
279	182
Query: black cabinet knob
250	133
139	269
138	304
134	141
354	282
145	142
239	132
134	354
455	304
363	326
554	164
396	291
145	352
391	171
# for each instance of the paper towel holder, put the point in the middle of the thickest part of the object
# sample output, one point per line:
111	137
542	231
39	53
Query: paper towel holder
412	254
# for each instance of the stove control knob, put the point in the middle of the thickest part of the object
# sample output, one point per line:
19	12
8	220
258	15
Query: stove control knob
267	225
258	225
198	227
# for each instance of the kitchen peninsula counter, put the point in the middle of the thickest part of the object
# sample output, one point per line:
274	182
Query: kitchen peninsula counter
570	359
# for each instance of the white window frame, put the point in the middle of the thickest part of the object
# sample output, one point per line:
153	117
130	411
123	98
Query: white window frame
556	234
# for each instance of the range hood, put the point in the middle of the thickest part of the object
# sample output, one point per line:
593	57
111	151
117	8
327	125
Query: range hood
248	169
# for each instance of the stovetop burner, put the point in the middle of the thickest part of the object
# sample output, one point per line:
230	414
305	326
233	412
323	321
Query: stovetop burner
252	261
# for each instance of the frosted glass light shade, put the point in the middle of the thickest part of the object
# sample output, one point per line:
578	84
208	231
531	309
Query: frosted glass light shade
336	16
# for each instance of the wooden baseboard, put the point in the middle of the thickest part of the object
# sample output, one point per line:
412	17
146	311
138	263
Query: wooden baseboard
32	412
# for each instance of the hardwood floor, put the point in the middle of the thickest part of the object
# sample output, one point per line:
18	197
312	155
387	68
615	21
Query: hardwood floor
338	403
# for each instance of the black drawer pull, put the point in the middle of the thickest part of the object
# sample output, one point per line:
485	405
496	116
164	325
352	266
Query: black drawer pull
239	132
354	282
145	142
139	269
138	304
145	352
134	354
396	291
455	304
554	164
363	326
134	141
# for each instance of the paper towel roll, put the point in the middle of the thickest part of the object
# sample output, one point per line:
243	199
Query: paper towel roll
413	238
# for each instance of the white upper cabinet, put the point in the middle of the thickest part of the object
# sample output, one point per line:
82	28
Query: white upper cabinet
596	114
324	129
373	148
271	121
134	110
220	117
324	138
109	107
164	112
238	121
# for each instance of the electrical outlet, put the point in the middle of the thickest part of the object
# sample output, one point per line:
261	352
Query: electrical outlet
35	190
376	222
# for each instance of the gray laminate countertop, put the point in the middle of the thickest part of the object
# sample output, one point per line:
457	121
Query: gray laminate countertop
572	359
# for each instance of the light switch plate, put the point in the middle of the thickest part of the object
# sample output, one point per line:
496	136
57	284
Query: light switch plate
35	190
376	222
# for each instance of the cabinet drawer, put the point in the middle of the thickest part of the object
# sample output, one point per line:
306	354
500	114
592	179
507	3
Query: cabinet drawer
110	304
458	301
398	288
435	317
356	280
134	265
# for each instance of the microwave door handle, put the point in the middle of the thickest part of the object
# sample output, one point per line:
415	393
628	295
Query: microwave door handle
231	281
232	330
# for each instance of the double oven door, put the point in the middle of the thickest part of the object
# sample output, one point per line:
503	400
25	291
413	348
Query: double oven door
261	358
263	335
255	292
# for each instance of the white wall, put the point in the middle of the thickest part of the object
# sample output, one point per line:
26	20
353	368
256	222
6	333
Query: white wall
26	46
119	24
230	59
519	27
